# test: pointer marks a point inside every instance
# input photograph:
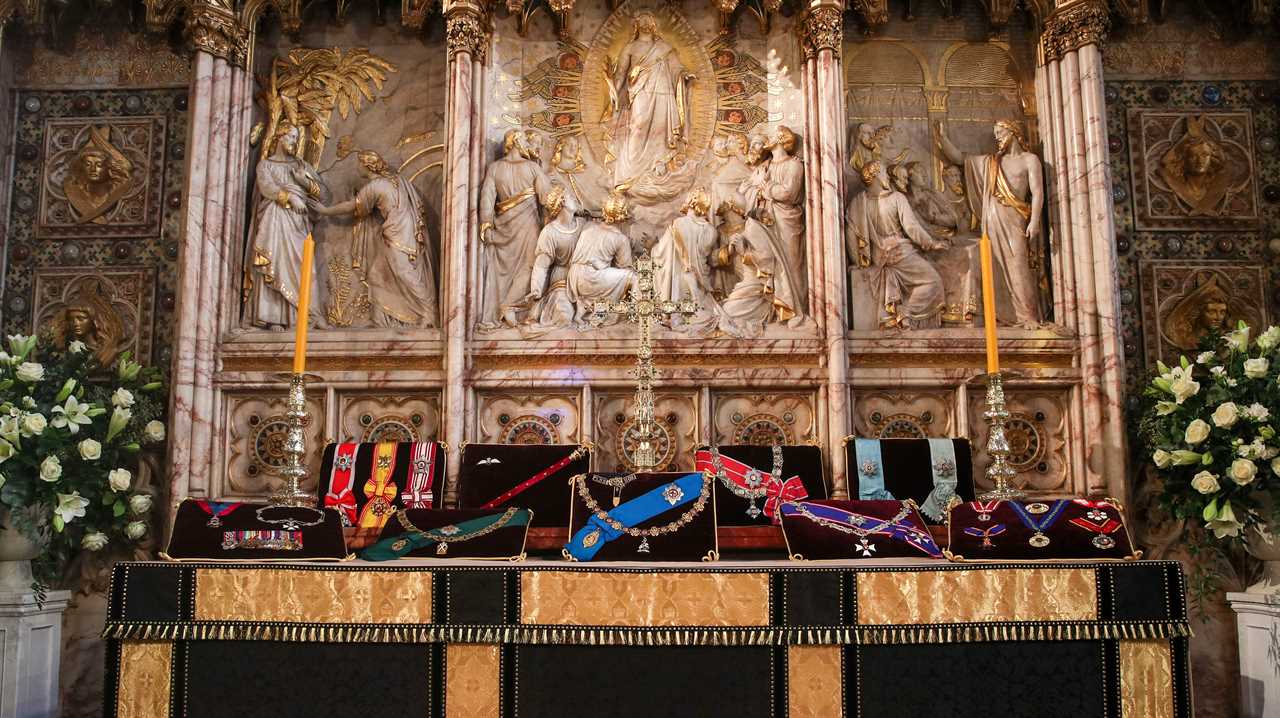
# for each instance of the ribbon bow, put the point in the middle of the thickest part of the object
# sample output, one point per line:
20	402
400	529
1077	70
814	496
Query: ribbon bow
778	492
607	532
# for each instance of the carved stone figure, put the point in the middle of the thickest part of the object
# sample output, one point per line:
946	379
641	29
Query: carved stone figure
1006	192
277	230
946	214
509	226
648	89
1195	168
886	237
99	176
764	292
567	163
866	144
1203	311
391	243
552	303
90	318
782	202
600	268
682	261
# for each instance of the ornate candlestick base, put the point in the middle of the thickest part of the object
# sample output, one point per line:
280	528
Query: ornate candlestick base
295	448
999	472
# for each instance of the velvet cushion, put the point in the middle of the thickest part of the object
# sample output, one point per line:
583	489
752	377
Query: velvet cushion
488	470
908	469
813	540
363	472
800	460
694	541
505	542
194	538
995	531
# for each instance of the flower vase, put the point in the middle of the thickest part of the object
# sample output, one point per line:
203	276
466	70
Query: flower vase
16	553
1265	546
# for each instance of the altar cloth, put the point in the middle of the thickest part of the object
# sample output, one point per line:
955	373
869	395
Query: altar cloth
771	638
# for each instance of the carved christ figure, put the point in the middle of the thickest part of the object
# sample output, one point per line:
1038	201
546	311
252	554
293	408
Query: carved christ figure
648	88
279	226
1006	193
509	225
391	243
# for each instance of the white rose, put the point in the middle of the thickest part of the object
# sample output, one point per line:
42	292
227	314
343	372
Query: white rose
75	347
1218	370
90	450
1269	339
30	372
1242	471
95	541
9	428
1197	431
1257	412
34	424
1226	415
154	431
1204	357
140	503
1183	388
1275	466
119	479
6	451
122	398
1205	482
1232	382
135	530
50	469
1256	368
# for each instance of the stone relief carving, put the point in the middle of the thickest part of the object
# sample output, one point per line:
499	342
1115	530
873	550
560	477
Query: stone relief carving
110	310
102	177
677	417
1184	301
1192	169
645	113
888	414
1037	433
254	443
544	418
763	418
388	417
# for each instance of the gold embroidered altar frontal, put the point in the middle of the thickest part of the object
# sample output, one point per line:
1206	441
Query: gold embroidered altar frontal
306	596
644	599
1030	594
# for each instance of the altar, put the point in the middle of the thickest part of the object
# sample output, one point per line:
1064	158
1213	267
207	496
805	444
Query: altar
757	638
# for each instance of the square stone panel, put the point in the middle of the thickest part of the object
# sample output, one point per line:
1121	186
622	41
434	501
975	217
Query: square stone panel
1037	433
388	416
254	442
1192	169
1183	300
763	418
903	414
676	413
112	310
102	177
505	417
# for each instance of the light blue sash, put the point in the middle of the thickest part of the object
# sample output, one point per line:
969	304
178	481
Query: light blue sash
870	470
942	462
591	538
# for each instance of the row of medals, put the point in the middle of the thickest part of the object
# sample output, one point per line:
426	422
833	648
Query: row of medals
1040	540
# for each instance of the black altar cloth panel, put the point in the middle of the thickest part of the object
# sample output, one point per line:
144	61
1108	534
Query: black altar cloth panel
489	470
558	681
797	460
908	470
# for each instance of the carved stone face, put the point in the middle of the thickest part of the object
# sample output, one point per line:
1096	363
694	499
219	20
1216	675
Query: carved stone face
900	177
1214	315
79	322
867	136
646	24
93	167
289	141
916	177
1003	138
1199	159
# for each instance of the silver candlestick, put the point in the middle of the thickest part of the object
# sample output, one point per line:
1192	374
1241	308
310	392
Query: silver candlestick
999	472
295	448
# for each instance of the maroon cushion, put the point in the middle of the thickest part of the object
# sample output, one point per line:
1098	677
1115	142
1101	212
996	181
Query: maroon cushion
811	536
1068	529
694	541
231	537
488	470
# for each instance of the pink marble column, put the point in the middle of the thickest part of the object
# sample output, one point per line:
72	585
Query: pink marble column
468	42
216	165
822	37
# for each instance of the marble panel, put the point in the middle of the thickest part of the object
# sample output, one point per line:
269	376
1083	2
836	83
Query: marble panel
1039	436
903	413
523	417
677	414
253	442
388	416
763	418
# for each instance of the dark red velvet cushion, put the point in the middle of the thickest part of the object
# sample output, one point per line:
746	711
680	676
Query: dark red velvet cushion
694	541
481	480
966	530
193	538
810	540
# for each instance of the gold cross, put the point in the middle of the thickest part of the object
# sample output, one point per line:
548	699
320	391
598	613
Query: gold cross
643	310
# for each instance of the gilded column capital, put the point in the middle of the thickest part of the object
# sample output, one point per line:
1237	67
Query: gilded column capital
1071	27
822	29
467	30
875	13
219	32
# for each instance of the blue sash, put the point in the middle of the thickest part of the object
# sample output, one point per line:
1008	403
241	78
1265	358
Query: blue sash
591	538
870	470
942	462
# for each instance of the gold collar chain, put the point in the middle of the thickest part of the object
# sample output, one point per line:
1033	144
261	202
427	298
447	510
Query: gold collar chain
670	528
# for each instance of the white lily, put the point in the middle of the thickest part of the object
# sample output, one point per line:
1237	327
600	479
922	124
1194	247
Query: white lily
72	415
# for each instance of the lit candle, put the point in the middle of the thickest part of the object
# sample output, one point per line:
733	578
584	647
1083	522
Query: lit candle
989	305
304	306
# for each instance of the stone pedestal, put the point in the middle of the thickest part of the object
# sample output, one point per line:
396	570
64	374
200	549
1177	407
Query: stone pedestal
31	638
1258	629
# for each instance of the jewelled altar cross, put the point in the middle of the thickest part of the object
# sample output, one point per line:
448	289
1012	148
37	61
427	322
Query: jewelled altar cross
643	310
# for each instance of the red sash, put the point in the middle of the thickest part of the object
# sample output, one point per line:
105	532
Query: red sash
417	495
380	489
341	478
532	480
776	491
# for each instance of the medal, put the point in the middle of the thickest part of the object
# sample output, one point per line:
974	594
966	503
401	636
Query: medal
217	510
1099	528
1039	526
985	534
984	509
644	545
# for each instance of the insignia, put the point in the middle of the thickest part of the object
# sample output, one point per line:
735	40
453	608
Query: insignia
488	461
1037	508
213	522
399	545
1097	516
866	548
449	530
870	468
1103	542
753	478
591	538
421	465
343	462
442	548
379	506
673	494
945	468
644	545
1039	540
